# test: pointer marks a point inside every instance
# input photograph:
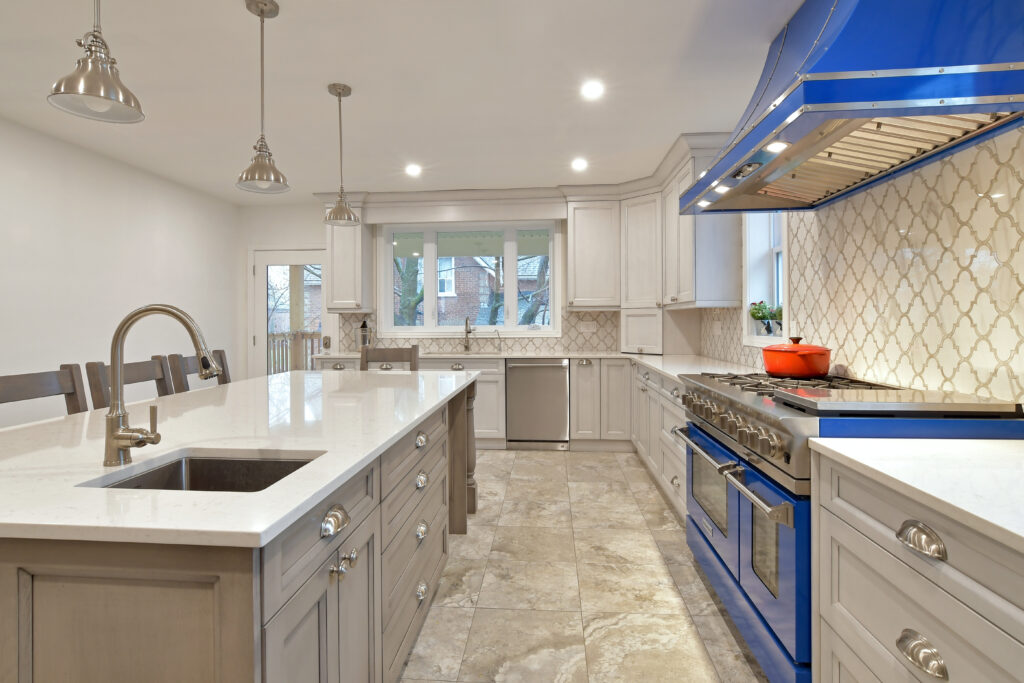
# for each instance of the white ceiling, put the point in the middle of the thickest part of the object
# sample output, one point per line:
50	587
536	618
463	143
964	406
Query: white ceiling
481	93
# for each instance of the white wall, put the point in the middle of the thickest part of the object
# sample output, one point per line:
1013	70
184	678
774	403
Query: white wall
84	240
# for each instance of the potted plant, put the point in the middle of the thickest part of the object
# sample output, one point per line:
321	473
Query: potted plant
776	319
762	313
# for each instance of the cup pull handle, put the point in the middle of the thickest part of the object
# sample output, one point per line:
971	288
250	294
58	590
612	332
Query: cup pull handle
334	521
922	539
922	654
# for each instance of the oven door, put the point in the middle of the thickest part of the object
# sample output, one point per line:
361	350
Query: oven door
710	500
775	563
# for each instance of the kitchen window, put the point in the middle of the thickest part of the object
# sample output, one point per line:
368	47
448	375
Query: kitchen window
498	275
765	278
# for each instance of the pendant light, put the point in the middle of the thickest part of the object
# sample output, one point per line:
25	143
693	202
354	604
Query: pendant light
262	175
94	89
341	213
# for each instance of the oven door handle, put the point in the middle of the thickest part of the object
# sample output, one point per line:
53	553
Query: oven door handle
721	468
781	513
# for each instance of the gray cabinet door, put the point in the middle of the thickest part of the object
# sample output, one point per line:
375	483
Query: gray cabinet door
300	644
359	605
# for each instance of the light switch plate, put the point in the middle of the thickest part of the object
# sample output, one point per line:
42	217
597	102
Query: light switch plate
588	326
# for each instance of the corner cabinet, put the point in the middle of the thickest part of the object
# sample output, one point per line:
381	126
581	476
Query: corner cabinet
702	253
641	261
594	248
348	277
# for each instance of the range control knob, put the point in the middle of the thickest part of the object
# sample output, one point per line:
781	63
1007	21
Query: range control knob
743	434
688	400
730	424
770	446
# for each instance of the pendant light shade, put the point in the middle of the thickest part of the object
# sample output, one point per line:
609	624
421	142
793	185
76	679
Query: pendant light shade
94	89
262	175
341	213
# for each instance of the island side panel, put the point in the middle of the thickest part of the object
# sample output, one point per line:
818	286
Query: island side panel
87	611
471	450
458	456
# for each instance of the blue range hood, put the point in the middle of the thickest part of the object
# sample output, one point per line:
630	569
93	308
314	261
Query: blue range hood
856	91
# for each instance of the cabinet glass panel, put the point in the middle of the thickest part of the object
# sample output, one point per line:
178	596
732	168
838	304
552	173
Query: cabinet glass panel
408	278
711	491
764	551
470	275
533	270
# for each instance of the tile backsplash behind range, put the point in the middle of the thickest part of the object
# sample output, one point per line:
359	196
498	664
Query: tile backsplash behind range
605	339
917	282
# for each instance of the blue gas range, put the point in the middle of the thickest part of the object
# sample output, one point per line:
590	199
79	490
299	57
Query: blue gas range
749	484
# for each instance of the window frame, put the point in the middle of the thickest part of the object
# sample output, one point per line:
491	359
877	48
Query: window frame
451	292
783	249
430	328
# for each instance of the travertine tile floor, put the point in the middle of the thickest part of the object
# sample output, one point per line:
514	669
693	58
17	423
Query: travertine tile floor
574	569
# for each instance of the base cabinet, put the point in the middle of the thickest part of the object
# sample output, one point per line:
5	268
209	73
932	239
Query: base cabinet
585	398
616	380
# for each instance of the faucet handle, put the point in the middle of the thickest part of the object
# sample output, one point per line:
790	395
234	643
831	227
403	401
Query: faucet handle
153	437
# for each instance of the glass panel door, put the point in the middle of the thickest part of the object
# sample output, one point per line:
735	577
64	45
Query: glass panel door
287	311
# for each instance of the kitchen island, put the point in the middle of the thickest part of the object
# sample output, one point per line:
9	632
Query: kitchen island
326	572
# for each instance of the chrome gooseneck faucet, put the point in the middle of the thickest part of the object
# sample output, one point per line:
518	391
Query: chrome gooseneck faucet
469	330
120	437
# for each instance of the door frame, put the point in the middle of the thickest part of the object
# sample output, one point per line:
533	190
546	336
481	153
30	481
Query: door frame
256	306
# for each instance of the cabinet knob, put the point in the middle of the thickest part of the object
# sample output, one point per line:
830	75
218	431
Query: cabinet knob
338	366
422	479
673	299
359	305
643	389
675	481
584	362
458	366
647	375
571	303
675	393
386	366
346	563
658	304
422	440
421	591
334	521
422	529
639	349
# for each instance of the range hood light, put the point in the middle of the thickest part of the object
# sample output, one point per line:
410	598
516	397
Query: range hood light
776	147
714	183
721	189
702	203
702	174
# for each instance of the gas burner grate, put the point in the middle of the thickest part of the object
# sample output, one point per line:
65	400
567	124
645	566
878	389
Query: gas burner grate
766	385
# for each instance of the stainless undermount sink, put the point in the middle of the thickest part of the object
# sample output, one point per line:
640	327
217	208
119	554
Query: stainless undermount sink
215	469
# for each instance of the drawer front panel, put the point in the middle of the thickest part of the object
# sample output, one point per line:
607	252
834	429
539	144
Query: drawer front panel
674	472
839	664
873	601
671	416
400	634
405	556
346	364
483	365
978	571
407	495
289	559
396	462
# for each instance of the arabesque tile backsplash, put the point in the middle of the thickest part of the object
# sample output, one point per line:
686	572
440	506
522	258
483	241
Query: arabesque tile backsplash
918	281
572	339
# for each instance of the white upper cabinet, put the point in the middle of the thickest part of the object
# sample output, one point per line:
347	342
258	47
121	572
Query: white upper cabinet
641	260
640	330
349	274
702	254
593	277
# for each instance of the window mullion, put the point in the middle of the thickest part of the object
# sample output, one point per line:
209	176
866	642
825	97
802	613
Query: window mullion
430	280
511	279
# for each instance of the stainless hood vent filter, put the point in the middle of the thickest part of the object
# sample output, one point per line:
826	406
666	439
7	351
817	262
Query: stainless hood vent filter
854	92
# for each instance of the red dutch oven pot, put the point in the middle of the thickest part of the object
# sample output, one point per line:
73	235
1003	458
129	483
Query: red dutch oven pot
796	360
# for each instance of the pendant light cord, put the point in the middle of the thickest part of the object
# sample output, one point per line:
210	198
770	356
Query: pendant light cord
261	73
96	16
341	156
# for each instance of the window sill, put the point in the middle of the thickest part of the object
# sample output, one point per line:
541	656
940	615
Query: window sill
761	342
459	333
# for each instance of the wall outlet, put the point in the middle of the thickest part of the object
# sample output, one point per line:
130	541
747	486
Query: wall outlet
716	327
589	326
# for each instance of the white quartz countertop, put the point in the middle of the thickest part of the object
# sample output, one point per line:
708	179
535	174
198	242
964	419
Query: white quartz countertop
976	482
352	416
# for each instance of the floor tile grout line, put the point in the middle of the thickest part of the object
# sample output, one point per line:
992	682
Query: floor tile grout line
575	555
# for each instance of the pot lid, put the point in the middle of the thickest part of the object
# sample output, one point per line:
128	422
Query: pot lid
796	346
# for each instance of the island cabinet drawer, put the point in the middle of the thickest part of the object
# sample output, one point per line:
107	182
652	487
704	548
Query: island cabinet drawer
294	555
977	570
839	664
403	562
674	470
396	462
487	366
878	605
400	633
346	364
396	508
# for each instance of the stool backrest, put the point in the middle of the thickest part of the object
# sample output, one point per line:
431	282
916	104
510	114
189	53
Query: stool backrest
183	366
153	370
67	382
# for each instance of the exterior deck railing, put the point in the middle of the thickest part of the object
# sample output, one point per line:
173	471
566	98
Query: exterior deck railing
292	351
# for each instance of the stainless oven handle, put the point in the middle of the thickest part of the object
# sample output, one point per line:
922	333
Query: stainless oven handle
721	468
781	513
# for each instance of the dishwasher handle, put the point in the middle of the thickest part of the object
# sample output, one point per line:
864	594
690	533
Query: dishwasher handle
536	365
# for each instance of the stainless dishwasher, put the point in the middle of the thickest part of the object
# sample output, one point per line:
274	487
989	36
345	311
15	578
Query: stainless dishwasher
537	403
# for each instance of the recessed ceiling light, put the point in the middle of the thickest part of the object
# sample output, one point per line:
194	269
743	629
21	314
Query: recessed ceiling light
579	164
394	244
776	147
592	89
702	203
414	170
721	189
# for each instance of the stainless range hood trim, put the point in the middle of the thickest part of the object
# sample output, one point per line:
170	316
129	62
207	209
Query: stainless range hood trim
929	71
